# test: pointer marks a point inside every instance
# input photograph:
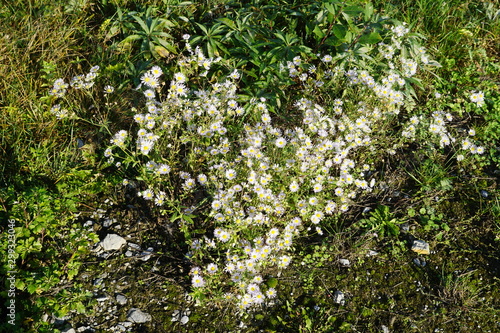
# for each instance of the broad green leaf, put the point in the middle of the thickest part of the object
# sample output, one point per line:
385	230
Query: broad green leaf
368	12
272	282
371	38
339	31
318	32
227	22
161	51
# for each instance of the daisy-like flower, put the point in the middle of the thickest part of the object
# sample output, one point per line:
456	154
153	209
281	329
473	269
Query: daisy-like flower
163	169
271	293
466	144
266	118
230	174
253	288
108	89
478	98
150	80
280	142
156	71
198	281
235	75
179	77
150	94
327	58
147	194
273	233
145	146
258	298
211	268
202	179
284	261
294	186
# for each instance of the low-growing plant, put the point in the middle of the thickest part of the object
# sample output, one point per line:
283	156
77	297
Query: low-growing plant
49	247
381	222
262	188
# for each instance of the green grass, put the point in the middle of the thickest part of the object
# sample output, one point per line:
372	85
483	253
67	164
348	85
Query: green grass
54	176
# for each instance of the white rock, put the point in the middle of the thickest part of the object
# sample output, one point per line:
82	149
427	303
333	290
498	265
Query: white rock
137	316
345	262
184	320
420	247
121	299
338	297
112	242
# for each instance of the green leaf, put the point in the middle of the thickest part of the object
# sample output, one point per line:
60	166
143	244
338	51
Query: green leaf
20	285
318	32
32	288
79	307
371	38
368	12
272	282
227	22
339	31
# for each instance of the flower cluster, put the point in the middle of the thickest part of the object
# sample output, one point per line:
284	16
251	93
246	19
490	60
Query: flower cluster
267	185
60	88
477	98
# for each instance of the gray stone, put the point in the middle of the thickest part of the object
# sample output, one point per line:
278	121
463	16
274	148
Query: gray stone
69	330
184	320
145	255
120	328
419	262
420	247
338	297
128	253
107	223
112	242
137	316
134	246
121	299
126	323
345	262
102	298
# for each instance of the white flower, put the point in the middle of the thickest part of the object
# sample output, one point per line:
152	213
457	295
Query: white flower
230	174
280	142
477	98
197	281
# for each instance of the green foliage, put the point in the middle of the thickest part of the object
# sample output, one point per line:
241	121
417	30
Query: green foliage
273	51
381	222
50	246
143	34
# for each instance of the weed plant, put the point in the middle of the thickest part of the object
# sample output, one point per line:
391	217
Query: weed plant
261	131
